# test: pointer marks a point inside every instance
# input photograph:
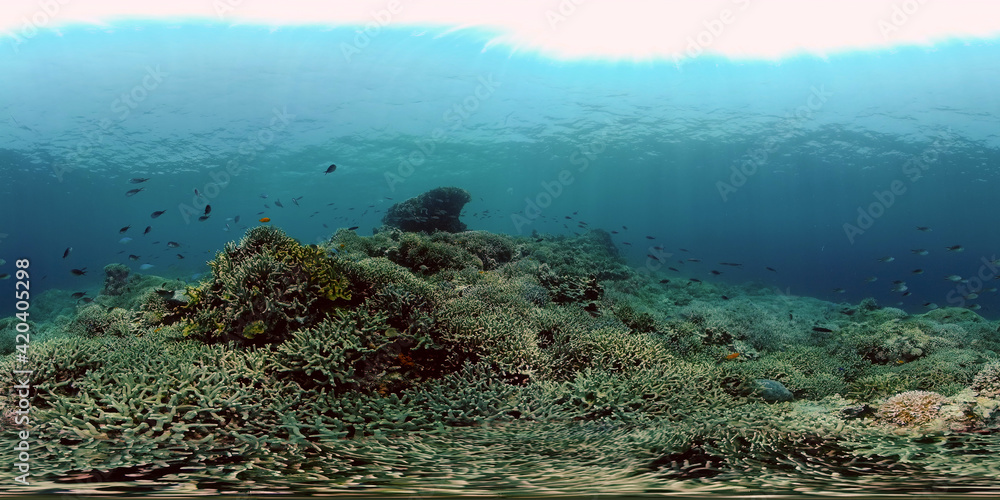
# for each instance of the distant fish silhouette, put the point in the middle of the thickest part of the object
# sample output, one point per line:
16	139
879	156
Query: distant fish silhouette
138	180
330	169
66	253
157	213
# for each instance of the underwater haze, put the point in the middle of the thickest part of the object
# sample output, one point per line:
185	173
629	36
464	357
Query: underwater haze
764	163
693	275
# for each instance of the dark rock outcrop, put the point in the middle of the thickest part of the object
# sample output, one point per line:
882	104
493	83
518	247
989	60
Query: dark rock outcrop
435	210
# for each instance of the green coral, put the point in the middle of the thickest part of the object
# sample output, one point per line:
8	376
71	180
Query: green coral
267	279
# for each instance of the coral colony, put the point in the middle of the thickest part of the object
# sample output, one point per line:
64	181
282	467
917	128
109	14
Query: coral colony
427	356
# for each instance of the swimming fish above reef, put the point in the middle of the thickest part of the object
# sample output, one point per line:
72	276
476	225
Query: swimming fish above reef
265	219
79	272
173	244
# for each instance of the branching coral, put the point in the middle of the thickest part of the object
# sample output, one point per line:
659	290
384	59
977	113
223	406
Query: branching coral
263	288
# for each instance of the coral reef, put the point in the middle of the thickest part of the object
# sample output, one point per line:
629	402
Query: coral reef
263	288
435	210
379	363
116	279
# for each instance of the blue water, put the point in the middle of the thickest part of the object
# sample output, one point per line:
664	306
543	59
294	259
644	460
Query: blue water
648	145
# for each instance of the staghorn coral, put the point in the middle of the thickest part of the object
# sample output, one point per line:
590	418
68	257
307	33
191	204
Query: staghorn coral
262	288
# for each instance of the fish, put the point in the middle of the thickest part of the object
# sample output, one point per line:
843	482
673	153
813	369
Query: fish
971	296
871	279
236	219
821	329
179	256
208	209
920	251
148	229
2	262
296	200
917	271
974	307
265	219
887	259
694	280
278	204
725	297
991	289
77	295
650	238
138	180
838	290
674	269
122	230
923	228
67	251
694	260
953	277
352	228
956	248
899	288
79	272
330	169
173	244
4	276
773	270
732	356
133	257
930	305
196	193
651	256
146	266
203	218
157	213
125	240
87	300
263	195
716	273
732	264
664	281
133	192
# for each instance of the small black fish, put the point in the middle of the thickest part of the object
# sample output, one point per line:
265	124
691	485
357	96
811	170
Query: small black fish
138	180
133	192
695	280
78	272
164	293
651	256
674	269
148	229
157	213
614	232
122	230
4	276
66	253
923	228
87	300
820	329
173	244
77	295
664	281
352	228
179	256
731	264
208	209
203	218
133	257
278	204
684	249
771	269
713	271
330	169
650	238
625	228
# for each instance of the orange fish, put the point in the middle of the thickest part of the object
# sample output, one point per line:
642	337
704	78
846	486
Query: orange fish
266	219
733	355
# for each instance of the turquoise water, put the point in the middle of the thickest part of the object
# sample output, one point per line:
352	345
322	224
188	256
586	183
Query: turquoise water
835	178
646	145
